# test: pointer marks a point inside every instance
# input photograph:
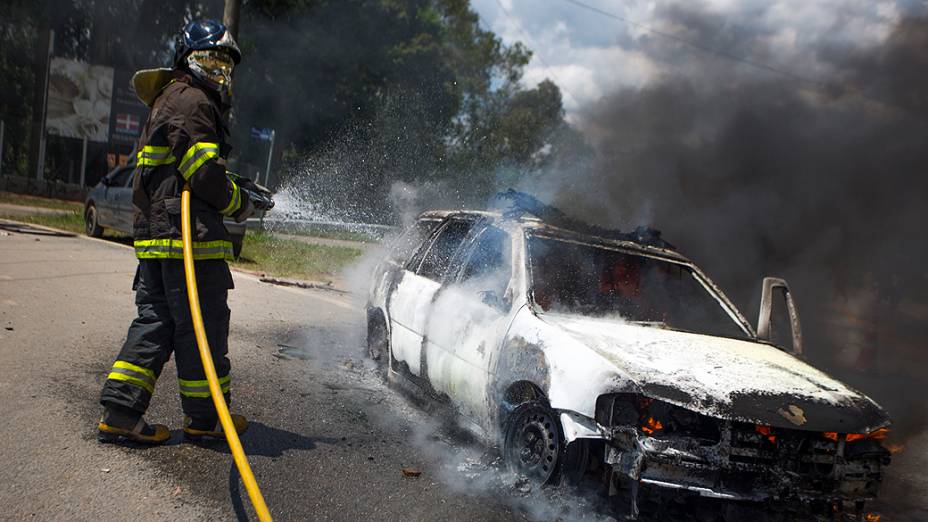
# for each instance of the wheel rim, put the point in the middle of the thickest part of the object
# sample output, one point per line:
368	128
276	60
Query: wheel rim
91	220
534	446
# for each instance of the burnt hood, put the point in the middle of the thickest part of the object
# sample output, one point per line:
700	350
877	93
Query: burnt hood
725	378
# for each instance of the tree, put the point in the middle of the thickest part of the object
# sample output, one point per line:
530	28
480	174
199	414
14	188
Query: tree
422	92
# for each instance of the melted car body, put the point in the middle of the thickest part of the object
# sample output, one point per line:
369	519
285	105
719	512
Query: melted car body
621	344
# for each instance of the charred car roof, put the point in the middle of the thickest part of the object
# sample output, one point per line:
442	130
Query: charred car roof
534	224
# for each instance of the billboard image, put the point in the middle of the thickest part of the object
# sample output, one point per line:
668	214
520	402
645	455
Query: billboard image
80	96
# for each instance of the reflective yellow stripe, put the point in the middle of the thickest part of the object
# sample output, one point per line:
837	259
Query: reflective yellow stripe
138	369
131	380
200	389
154	156
197	155
204	382
235	202
174	249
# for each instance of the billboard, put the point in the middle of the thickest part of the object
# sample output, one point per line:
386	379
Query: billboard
128	113
80	98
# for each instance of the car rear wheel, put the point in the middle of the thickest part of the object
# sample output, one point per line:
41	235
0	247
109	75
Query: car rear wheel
91	221
532	442
378	345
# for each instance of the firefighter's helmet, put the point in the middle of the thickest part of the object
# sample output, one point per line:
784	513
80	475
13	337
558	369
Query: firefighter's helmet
208	51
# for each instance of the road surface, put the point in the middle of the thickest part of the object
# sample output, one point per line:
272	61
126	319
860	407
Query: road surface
327	441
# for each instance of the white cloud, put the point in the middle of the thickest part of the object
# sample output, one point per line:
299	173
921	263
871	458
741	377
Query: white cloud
590	54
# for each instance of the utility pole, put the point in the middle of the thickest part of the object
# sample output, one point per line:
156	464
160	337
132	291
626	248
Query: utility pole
2	128
40	73
43	139
230	16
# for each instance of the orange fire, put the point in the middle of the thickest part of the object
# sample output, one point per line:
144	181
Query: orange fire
651	425
879	434
766	432
872	517
895	448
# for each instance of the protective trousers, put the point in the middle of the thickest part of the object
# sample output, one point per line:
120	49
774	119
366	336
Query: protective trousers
163	326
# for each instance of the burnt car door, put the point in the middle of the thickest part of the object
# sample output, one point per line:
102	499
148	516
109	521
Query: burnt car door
411	301
468	321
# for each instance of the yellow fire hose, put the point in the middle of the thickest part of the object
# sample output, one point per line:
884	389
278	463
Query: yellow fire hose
238	454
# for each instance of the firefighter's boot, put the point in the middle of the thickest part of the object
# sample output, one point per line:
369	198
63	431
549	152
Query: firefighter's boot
124	424
195	429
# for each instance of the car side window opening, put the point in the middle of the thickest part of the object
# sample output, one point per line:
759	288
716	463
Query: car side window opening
405	246
489	266
437	259
586	279
122	177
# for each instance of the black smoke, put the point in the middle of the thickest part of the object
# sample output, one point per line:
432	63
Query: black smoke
822	180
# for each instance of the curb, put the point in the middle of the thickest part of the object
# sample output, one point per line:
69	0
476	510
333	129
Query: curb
261	276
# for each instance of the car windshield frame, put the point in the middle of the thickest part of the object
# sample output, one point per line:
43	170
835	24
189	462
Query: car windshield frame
707	285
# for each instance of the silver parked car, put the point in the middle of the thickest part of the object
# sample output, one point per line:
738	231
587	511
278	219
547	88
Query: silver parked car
575	348
109	205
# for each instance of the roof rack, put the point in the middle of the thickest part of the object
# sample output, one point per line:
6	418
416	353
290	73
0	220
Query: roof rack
521	204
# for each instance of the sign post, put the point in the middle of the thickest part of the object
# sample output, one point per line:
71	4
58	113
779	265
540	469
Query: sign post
265	135
270	153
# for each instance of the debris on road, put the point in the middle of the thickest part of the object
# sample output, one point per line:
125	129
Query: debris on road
312	285
411	472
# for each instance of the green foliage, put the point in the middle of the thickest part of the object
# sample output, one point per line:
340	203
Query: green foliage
425	93
417	89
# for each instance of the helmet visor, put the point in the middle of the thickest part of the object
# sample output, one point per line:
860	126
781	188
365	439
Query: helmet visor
213	64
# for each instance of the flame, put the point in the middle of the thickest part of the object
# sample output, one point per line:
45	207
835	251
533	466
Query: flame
879	434
766	432
895	448
872	517
651	425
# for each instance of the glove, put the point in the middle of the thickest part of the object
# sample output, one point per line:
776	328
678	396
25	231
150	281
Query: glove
259	196
254	196
261	199
246	210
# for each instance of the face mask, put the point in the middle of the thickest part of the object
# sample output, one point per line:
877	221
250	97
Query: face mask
213	66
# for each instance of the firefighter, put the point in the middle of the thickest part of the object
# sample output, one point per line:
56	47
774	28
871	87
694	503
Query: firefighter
184	142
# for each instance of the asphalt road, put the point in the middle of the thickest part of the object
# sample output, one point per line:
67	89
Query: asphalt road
328	440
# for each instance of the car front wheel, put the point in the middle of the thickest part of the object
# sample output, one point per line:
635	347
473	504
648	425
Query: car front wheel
532	442
91	221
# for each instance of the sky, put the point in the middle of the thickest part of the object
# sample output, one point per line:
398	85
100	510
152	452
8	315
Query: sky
589	54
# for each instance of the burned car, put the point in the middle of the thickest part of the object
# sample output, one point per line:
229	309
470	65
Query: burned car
575	348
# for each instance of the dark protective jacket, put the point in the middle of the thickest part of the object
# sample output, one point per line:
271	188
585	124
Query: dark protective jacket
185	140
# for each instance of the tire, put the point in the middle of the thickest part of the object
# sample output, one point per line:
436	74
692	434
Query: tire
91	221
378	344
237	242
533	445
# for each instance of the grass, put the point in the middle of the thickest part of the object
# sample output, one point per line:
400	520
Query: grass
326	233
265	252
35	201
262	252
71	222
